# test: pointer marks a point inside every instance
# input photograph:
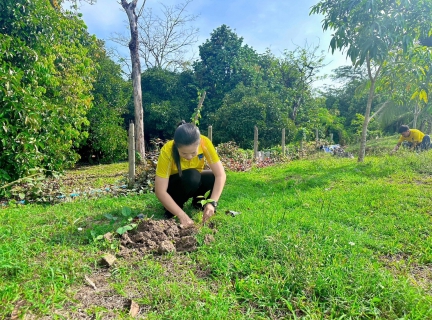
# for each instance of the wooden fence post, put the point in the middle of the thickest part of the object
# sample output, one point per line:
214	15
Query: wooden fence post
283	142
131	153
301	148
255	142
210	133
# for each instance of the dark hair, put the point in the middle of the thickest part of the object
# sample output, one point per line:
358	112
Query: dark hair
186	134
403	128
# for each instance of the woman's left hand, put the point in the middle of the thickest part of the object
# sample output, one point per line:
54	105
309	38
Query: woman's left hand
209	211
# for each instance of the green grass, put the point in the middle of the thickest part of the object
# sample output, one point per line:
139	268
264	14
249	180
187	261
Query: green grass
96	176
319	239
377	147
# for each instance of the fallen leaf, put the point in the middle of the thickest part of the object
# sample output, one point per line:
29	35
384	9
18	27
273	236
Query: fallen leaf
15	312
90	282
134	309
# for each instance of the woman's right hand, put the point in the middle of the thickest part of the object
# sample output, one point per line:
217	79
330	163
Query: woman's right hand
186	222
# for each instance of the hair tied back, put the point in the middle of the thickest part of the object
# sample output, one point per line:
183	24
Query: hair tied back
181	123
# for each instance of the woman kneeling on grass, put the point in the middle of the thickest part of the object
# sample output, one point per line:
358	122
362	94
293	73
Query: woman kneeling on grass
180	175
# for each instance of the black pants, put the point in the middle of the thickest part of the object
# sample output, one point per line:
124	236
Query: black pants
426	143
191	184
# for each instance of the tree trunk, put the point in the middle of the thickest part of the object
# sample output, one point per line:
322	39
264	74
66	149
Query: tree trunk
416	114
368	110
136	76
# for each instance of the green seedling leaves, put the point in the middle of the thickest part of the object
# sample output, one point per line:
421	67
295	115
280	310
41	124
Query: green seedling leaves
125	218
125	228
206	198
204	202
126	212
110	217
96	237
206	195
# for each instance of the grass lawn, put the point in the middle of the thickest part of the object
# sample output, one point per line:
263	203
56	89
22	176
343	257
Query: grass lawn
326	238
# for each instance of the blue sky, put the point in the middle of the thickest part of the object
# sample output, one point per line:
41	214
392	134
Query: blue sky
274	24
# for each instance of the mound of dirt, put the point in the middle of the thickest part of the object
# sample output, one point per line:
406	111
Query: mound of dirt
158	236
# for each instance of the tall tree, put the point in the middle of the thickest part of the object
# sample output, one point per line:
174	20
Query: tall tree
346	97
130	7
165	38
298	69
225	62
169	97
369	29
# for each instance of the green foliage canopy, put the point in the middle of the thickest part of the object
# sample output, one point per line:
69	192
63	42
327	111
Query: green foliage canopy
373	28
168	98
107	139
246	107
225	62
45	80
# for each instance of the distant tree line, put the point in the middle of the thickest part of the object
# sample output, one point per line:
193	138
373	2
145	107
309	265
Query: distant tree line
64	99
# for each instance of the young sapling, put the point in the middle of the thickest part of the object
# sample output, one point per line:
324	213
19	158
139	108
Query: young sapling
205	198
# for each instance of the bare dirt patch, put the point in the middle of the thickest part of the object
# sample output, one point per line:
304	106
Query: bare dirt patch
100	301
419	275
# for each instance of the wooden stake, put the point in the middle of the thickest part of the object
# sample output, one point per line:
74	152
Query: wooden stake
131	155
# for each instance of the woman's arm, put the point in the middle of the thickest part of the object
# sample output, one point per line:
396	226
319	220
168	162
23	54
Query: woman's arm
220	178
161	187
396	147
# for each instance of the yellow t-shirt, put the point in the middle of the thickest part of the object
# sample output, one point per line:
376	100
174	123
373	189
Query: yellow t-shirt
415	136
166	165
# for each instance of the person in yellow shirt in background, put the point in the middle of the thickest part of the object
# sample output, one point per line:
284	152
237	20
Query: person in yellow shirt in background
415	138
180	173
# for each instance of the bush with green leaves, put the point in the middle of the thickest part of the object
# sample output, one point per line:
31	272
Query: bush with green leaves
233	157
46	79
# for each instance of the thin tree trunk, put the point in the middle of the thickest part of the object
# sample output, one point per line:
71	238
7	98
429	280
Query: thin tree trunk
136	76
416	114
368	110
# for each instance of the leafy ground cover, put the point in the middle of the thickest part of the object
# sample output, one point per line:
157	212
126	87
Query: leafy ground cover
323	238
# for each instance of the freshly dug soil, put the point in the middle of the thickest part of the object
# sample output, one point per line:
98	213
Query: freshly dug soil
158	236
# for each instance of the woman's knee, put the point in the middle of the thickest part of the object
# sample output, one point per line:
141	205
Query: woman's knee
207	178
191	178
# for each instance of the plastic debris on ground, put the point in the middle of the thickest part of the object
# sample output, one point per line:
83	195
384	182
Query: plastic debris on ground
232	213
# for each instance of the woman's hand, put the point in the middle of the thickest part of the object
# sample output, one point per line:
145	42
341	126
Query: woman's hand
209	211
186	222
